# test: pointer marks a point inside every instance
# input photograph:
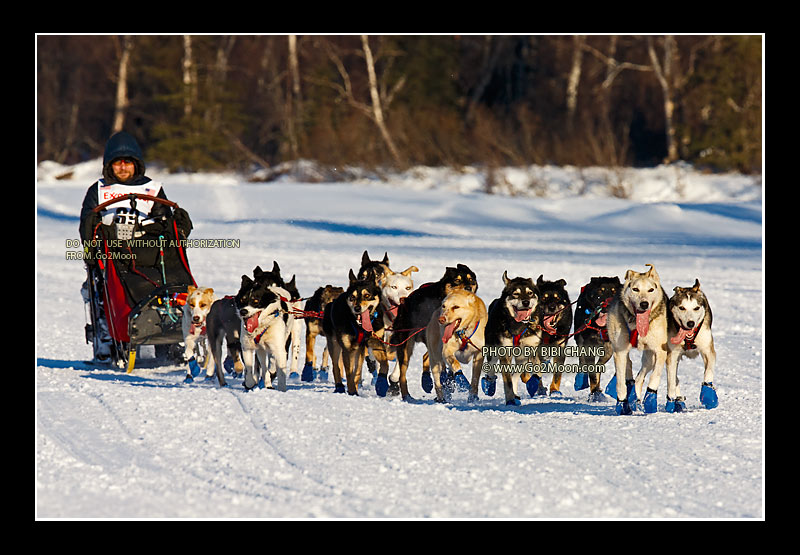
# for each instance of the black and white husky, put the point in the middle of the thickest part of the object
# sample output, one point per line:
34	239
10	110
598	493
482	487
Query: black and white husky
264	329
689	329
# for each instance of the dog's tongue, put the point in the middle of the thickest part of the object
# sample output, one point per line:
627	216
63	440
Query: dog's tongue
682	333
602	319
252	322
547	323
366	323
643	322
448	331
520	315
393	309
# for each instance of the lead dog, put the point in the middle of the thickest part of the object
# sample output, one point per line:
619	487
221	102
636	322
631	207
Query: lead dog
350	322
264	329
455	334
689	328
555	323
637	319
512	322
415	313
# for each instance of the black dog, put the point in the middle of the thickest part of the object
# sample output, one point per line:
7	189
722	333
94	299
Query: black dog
555	324
415	313
590	328
313	317
352	321
513	319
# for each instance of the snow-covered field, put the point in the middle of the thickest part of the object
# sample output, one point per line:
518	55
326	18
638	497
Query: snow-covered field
146	445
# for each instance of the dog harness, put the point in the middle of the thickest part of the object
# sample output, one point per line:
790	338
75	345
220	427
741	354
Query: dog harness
258	337
464	340
361	334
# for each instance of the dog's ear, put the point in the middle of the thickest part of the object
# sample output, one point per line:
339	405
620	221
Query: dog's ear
651	272
257	271
408	270
539	280
291	281
385	258
246	280
275	268
616	280
365	258
505	277
210	290
190	289
696	286
629	275
562	282
352	277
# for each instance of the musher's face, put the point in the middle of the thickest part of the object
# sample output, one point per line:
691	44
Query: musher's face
124	169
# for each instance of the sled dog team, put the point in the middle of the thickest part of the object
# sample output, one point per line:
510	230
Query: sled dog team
380	317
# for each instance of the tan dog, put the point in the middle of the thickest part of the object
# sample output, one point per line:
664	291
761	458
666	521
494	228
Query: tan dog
198	304
637	319
454	336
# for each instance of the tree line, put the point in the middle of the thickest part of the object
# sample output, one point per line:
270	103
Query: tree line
199	102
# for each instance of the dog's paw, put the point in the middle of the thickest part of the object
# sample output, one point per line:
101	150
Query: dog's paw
515	402
308	372
427	382
650	401
381	385
188	379
535	387
489	385
675	405
339	388
708	396
461	381
194	368
597	397
623	408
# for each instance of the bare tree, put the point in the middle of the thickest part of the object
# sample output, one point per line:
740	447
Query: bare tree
379	96
121	105
574	78
189	77
293	99
664	74
377	110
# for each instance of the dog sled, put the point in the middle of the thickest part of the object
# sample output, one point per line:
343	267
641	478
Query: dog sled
138	284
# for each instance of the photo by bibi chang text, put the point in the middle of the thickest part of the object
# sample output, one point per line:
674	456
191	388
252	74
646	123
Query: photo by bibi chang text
542	352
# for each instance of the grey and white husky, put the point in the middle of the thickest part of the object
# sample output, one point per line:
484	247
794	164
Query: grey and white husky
637	319
689	329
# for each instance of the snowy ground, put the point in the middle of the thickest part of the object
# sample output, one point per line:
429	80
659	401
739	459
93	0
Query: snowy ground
111	445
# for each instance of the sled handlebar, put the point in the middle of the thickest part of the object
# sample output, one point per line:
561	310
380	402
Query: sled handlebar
130	196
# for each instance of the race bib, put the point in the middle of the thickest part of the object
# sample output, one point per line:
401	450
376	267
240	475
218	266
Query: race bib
121	212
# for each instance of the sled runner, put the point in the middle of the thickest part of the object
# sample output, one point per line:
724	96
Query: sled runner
139	283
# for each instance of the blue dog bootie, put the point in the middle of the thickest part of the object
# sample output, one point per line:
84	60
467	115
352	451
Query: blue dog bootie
650	401
708	395
581	381
308	372
611	388
675	405
489	385
427	382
